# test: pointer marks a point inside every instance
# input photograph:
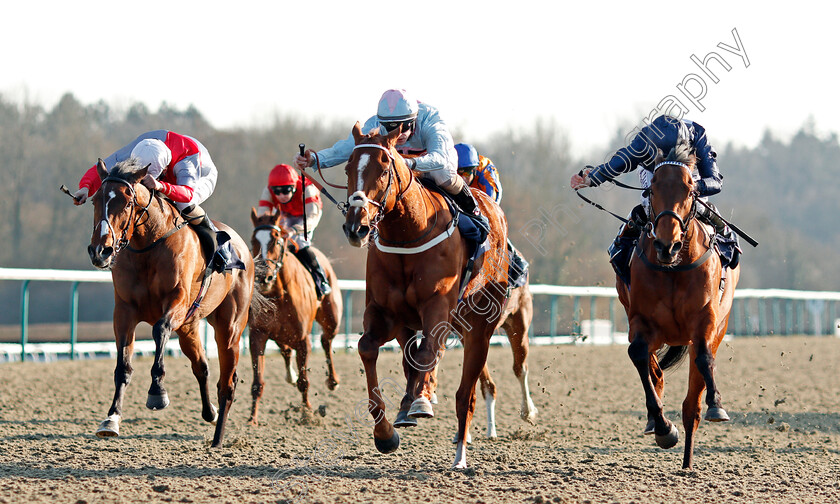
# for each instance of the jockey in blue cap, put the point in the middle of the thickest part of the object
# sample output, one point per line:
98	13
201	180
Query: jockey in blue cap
424	135
661	134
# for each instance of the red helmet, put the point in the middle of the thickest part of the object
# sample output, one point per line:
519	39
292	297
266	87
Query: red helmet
283	174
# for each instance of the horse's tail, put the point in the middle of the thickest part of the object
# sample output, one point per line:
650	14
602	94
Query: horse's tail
670	356
260	305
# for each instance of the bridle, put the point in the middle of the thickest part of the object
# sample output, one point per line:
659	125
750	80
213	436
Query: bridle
274	265
132	221
359	200
683	222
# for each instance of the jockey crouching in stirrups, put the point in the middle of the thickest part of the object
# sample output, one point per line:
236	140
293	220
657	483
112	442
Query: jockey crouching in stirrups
284	193
181	169
424	134
479	172
661	134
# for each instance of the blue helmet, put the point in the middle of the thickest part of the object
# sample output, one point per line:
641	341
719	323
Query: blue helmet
467	156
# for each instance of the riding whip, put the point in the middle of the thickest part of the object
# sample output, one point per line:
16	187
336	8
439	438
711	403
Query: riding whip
302	148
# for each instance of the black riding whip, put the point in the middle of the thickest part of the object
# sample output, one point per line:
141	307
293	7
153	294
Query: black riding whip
302	148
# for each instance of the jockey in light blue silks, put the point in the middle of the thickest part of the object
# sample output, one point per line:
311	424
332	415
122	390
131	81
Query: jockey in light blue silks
661	134
424	134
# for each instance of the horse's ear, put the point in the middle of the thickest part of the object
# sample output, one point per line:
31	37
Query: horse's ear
101	169
142	173
392	136
357	131
253	216
659	157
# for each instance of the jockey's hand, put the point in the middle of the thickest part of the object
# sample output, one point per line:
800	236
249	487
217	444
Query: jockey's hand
297	229
581	179
151	183
302	162
80	196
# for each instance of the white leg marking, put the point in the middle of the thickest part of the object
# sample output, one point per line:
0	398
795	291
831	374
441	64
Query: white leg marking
460	456
528	410
490	402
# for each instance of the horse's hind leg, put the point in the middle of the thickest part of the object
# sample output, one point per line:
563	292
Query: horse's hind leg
291	376
329	325
476	346
124	331
302	357
666	433
488	391
658	386
691	411
516	327
229	326
705	362
191	346
256	344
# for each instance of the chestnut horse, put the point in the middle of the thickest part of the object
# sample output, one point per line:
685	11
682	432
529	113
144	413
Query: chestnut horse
413	279
289	287
680	297
157	269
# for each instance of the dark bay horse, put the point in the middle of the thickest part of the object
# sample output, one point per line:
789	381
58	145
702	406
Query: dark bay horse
680	298
157	269
413	276
290	290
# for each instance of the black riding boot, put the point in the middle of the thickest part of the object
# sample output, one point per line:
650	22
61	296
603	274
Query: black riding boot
518	267
622	247
310	262
712	217
207	238
466	202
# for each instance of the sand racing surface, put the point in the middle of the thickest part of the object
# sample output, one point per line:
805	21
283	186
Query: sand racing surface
782	445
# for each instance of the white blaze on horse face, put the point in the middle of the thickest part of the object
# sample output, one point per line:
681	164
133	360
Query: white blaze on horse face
264	237
104	223
364	159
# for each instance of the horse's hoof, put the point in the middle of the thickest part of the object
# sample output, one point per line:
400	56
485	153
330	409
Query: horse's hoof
387	445
214	415
157	402
332	384
668	440
110	427
291	378
433	399
403	420
716	415
650	427
421	408
529	415
469	438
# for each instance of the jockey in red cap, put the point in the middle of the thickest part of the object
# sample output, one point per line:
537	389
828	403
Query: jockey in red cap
284	194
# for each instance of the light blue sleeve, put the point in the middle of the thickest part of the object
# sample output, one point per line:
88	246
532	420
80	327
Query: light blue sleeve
438	143
341	151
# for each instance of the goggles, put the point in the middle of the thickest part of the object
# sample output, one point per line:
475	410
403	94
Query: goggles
392	125
283	189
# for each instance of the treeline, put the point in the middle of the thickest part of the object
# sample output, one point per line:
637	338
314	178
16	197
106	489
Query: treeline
783	193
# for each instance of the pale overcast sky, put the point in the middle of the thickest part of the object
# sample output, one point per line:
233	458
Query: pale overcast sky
487	65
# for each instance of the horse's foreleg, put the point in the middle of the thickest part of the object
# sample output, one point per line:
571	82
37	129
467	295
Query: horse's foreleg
122	377
377	332
302	357
517	330
406	337
191	346
161	331
666	433
256	343
658	386
691	411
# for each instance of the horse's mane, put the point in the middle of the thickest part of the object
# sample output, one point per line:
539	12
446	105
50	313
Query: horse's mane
681	153
128	170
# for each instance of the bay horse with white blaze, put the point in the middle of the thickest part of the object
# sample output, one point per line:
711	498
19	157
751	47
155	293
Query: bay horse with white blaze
157	269
290	290
680	297
413	276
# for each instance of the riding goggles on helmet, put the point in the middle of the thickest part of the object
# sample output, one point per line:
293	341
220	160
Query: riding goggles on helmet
283	189
392	125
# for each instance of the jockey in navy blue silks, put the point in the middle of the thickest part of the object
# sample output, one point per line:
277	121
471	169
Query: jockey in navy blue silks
661	134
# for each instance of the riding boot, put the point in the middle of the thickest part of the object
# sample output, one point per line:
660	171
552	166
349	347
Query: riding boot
622	247
307	257
518	267
711	216
466	202
207	238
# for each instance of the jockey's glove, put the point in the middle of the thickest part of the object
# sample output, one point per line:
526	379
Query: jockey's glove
81	195
411	163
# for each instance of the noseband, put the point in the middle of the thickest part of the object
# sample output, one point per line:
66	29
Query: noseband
361	200
653	221
278	265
